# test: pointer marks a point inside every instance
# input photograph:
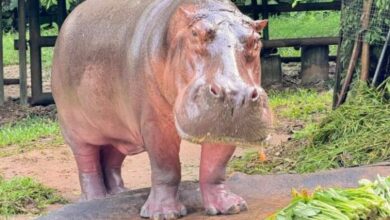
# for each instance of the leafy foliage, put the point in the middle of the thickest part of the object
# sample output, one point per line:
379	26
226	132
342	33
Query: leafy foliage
47	6
374	35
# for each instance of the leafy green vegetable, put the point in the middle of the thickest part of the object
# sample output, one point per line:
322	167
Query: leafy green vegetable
369	201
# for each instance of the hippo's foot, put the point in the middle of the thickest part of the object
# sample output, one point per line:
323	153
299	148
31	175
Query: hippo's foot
117	190
162	204
219	200
113	181
92	186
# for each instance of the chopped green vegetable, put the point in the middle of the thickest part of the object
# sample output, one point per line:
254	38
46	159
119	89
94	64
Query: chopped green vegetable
371	200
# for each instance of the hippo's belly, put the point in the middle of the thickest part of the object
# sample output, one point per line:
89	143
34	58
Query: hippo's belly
97	112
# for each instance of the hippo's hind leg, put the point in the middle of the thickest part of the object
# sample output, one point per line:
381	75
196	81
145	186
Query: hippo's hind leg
90	172
112	160
162	145
99	170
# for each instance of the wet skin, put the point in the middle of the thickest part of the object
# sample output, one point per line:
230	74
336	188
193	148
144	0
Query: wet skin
135	76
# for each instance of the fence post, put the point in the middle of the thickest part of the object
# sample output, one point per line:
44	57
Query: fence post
265	15
2	97
22	52
35	51
61	11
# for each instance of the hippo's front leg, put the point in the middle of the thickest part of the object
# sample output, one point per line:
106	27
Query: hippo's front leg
163	145
216	197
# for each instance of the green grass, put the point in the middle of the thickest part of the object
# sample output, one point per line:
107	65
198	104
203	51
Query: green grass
23	135
291	25
357	133
301	104
23	195
307	24
11	56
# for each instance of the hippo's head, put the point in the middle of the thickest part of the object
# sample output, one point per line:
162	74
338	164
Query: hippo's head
215	54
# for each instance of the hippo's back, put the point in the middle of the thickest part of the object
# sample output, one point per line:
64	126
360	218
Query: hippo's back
104	32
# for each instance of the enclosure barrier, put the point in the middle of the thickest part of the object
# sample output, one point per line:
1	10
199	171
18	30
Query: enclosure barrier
365	26
2	95
22	81
314	59
300	42
22	52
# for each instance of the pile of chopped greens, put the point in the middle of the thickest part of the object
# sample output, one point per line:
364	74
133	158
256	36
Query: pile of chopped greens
357	133
370	201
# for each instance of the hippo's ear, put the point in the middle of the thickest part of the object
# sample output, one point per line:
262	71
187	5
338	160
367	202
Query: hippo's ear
259	25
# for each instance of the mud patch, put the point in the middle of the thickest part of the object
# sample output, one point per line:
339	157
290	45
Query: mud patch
12	112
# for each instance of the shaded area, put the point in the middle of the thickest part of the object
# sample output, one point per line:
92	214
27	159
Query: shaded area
265	194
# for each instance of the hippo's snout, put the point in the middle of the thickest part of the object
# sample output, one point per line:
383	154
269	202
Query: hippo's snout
248	95
214	113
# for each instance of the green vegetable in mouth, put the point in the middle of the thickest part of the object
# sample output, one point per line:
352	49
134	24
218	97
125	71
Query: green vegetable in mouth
370	201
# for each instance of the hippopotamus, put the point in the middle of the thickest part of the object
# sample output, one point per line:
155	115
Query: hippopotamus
136	76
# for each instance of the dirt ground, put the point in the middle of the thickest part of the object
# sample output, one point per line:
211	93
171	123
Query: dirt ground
12	72
55	166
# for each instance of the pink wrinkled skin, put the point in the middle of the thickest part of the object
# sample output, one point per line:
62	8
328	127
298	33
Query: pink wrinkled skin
135	76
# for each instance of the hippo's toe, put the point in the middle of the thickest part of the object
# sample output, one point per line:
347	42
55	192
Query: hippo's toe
117	190
227	209
218	200
163	212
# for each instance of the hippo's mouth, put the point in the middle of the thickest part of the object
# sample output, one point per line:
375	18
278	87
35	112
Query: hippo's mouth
205	120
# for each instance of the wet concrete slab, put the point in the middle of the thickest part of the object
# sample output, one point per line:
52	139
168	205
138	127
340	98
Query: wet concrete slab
264	194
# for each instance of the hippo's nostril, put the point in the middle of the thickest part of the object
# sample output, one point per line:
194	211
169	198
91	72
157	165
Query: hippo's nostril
255	95
212	90
215	91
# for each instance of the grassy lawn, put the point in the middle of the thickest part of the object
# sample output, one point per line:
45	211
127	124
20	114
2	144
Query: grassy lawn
308	24
301	104
23	195
27	134
11	56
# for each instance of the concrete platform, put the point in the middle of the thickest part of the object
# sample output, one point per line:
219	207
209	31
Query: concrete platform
264	194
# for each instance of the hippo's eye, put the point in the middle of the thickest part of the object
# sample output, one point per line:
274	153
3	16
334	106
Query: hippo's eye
253	42
203	33
256	44
210	34
194	33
